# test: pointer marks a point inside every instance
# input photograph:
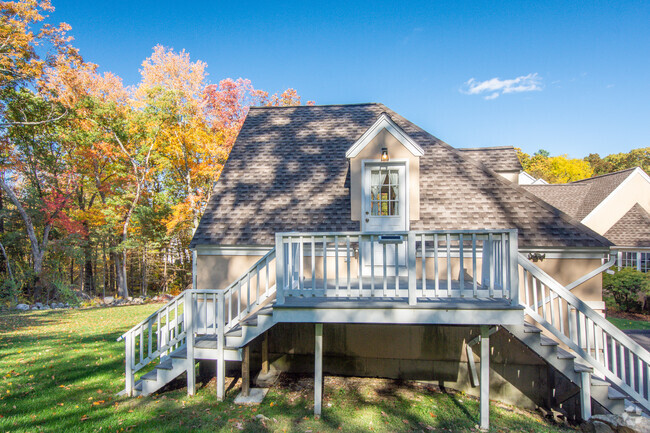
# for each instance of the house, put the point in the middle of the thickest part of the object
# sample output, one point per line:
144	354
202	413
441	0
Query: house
344	239
615	205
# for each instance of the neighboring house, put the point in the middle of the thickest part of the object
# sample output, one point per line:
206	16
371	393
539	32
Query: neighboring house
615	205
345	239
526	179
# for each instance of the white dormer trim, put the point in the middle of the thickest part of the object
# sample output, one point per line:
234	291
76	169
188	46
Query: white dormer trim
384	122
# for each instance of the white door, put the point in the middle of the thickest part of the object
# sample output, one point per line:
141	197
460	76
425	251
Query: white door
384	210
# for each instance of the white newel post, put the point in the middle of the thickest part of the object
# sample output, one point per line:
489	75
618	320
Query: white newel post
411	260
585	395
189	339
128	341
221	342
279	269
485	378
513	254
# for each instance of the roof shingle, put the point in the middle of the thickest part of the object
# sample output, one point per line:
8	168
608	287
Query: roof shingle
579	198
288	172
632	230
499	159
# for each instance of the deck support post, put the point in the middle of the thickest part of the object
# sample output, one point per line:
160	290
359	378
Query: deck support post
585	395
189	339
246	372
221	342
265	353
318	369
485	379
411	260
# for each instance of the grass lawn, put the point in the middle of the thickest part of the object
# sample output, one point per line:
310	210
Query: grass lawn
61	371
625	324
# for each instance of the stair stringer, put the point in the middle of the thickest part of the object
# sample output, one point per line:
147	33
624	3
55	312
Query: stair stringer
569	365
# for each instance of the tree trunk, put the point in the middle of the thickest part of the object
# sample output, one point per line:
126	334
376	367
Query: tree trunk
120	268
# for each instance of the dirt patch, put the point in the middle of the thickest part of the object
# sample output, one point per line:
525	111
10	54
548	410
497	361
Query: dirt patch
629	316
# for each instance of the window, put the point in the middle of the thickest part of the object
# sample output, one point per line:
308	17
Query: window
636	260
384	192
628	259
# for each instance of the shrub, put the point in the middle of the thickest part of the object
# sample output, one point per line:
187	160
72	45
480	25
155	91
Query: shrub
627	286
63	291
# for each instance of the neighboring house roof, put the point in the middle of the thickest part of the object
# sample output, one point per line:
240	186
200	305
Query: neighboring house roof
633	230
287	172
499	159
579	198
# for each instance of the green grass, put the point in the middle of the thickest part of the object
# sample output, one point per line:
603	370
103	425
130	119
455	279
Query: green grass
61	369
626	324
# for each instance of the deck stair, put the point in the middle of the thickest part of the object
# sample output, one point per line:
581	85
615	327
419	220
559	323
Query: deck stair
607	366
569	365
215	324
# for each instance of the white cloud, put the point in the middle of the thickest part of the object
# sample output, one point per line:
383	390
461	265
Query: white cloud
496	86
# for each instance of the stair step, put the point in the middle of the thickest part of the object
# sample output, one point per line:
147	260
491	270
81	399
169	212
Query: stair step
152	375
581	368
531	329
266	311
613	394
598	382
545	341
235	332
167	364
563	354
138	385
250	322
180	354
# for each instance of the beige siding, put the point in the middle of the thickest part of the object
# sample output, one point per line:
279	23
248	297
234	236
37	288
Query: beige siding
396	150
635	190
217	272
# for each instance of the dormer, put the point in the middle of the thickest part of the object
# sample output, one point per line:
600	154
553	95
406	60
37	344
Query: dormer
385	177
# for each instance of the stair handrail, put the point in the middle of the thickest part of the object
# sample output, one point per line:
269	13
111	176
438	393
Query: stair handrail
235	288
617	337
151	316
170	334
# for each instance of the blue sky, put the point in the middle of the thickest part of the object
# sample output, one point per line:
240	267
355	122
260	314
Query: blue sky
569	77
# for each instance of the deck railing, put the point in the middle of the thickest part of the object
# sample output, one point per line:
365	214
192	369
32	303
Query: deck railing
613	354
414	265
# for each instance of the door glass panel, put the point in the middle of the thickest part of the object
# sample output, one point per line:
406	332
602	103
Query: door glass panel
384	192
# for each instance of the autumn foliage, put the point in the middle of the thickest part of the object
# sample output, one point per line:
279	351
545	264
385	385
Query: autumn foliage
108	181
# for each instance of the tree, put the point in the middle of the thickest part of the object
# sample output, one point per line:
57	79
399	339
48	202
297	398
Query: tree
25	53
554	169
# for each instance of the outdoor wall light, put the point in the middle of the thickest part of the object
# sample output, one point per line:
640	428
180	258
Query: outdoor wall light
384	154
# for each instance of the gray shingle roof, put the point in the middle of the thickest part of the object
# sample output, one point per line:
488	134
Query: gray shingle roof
288	172
632	230
502	158
579	198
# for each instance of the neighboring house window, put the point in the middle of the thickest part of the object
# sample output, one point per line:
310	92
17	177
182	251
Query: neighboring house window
644	264
628	259
384	192
635	259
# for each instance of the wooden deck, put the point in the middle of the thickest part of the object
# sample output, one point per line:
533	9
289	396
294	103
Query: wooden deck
396	310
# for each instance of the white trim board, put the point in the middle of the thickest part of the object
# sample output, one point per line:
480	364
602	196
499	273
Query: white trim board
232	250
384	122
595	210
